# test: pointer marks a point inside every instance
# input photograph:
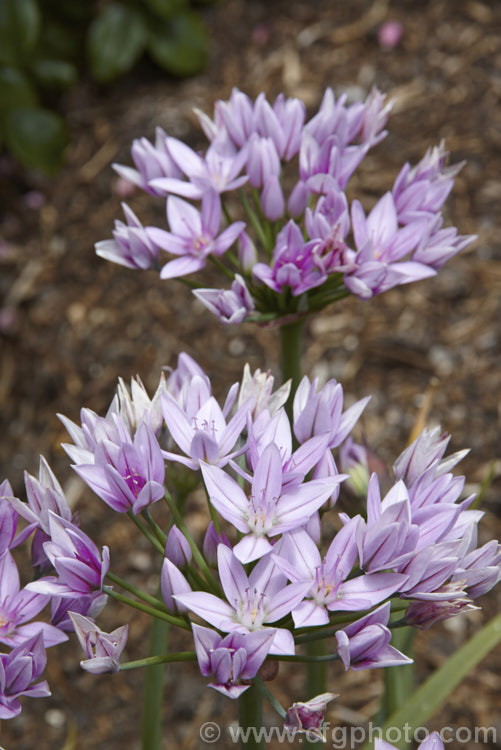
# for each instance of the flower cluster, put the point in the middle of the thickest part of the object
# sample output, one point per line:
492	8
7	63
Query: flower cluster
299	244
266	568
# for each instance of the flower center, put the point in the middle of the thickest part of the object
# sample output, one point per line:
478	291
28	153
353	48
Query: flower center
135	482
252	611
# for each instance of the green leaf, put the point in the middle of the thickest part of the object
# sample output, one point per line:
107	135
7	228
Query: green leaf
15	90
116	39
19	27
166	9
37	137
433	692
60	41
180	46
56	74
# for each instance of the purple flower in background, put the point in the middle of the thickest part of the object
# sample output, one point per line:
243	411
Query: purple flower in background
94	430
212	540
259	387
289	259
231	659
236	116
425	187
102	650
194	235
8	520
151	161
182	376
479	570
389	34
308	717
18	607
388	532
272	199
44	495
382	247
18	671
283	123
365	644
432	742
173	583
218	171
425	451
136	406
270	509
131	246
428	570
230	306
327	227
127	476
335	118
252	601
319	412
439	245
177	548
263	160
90	605
400	241
424	614
79	565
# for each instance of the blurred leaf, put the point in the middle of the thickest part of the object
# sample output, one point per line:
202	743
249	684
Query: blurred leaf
19	27
428	698
15	90
37	137
180	46
75	11
56	74
116	40
166	9
61	41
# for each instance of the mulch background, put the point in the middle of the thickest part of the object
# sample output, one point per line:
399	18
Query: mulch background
70	323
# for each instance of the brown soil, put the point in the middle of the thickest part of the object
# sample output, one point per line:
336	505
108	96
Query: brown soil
70	323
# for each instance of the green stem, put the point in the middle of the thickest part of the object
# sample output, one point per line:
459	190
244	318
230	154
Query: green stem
158	532
316	671
304	658
197	555
250	707
291	341
255	222
221	267
399	682
151	661
268	695
148	610
147	533
153	689
157	603
308	634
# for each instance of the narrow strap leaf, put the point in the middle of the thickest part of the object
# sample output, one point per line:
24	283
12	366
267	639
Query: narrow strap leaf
433	692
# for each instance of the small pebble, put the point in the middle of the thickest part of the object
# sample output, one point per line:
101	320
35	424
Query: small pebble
55	718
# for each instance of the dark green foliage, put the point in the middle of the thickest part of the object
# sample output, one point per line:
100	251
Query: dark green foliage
180	45
36	137
115	41
44	43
